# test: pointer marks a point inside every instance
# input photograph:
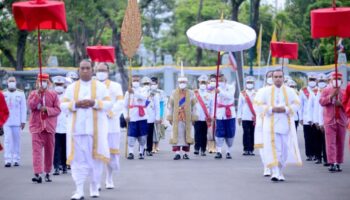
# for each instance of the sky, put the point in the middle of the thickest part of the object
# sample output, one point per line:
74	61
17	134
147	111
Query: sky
280	3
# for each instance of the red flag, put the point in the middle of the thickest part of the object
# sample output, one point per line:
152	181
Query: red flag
232	60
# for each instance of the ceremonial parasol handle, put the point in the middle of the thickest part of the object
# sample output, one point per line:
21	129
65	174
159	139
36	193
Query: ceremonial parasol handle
216	94
129	101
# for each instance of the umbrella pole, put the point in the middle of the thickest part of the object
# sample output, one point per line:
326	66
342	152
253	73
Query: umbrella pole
216	94
336	58
39	55
129	100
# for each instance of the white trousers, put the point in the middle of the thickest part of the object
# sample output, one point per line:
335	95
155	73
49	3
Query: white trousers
114	143
281	142
12	144
83	165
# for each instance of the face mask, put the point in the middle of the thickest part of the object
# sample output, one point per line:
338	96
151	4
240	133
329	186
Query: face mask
135	84
269	81
312	84
12	85
182	85
221	84
44	85
202	86
334	83
154	87
101	76
212	84
59	89
322	84
250	86
147	87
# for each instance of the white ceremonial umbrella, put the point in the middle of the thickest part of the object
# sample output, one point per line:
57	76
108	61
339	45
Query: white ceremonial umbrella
221	35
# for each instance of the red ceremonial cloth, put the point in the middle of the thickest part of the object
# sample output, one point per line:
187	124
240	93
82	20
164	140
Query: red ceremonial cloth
284	50
346	101
101	53
49	15
4	111
327	22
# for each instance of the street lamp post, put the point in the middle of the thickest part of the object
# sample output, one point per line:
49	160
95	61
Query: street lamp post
251	50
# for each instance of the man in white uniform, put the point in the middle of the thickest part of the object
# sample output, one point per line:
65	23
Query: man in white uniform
59	160
116	94
136	115
87	101
278	103
246	115
153	112
17	105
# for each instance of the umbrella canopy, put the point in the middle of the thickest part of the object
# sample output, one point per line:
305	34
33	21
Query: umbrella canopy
327	22
101	53
31	15
222	35
284	50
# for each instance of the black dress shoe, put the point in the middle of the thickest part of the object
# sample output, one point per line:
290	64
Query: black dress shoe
185	156
57	172
196	152
309	158
141	156
47	178
16	164
8	165
148	153
203	154
64	170
326	164
37	178
177	157
245	153
274	179
228	156
251	153
318	161
314	158
332	168
338	168
130	156
218	155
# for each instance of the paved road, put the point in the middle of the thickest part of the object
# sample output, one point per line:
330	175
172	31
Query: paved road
200	178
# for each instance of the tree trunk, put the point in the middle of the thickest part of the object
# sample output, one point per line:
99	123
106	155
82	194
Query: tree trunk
235	4
199	54
8	55
21	46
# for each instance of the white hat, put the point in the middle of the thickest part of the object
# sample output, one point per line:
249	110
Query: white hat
182	77
203	78
322	77
72	75
59	79
146	79
291	83
249	78
312	75
287	78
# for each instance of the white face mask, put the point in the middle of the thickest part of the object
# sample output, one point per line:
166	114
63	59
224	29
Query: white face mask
146	87
59	89
154	87
182	85
11	85
135	84
101	76
202	86
322	84
312	84
212	84
222	84
44	85
250	86
334	83
269	81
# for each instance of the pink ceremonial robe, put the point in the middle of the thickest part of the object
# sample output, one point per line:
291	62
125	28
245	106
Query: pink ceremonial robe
334	124
42	126
4	112
346	105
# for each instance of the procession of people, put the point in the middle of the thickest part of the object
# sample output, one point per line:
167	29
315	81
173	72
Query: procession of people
75	120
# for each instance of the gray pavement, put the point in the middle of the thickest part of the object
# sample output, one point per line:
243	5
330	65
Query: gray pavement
200	178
